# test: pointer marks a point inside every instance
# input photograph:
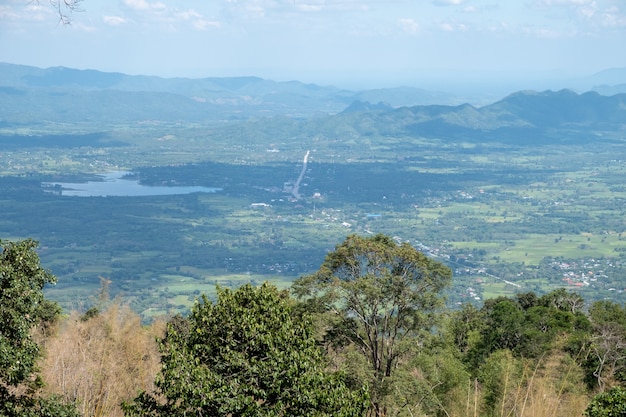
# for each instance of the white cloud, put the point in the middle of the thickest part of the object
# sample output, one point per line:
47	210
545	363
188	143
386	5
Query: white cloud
273	8
408	25
197	19
589	16
189	14
565	2
7	13
203	24
36	12
612	18
114	20
310	7
588	12
25	11
448	2
144	5
546	33
453	27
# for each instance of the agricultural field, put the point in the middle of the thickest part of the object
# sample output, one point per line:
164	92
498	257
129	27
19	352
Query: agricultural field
510	214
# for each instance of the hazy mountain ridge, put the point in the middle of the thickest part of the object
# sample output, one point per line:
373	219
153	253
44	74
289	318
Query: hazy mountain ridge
197	99
519	116
31	95
27	91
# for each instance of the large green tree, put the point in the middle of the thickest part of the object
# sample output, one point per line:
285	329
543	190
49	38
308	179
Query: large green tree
381	299
22	307
245	356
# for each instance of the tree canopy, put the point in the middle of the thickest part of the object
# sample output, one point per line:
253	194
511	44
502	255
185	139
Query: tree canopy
245	356
22	307
610	403
382	296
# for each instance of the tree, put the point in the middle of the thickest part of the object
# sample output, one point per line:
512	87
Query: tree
563	300
245	356
463	327
530	326
608	404
608	343
383	297
22	307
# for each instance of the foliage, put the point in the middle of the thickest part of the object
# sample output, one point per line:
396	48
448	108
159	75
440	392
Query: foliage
22	307
463	328
496	376
383	298
441	380
606	362
526	325
611	403
529	352
245	356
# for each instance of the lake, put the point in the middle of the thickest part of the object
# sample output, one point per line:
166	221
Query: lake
114	184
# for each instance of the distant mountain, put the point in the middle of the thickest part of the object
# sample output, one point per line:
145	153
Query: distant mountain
31	96
65	94
611	76
405	96
523	117
59	94
565	107
609	90
361	106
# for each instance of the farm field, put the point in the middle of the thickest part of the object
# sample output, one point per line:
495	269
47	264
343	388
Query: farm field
516	214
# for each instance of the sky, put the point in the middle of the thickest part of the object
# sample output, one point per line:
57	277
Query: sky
346	43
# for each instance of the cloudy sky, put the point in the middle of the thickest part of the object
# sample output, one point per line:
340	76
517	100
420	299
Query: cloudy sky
340	42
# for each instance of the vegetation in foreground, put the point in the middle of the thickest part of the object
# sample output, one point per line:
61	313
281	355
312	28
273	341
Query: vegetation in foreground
366	335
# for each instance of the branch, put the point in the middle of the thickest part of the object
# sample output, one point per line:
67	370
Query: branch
64	9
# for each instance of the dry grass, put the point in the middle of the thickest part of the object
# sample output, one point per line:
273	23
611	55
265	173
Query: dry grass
556	389
100	362
551	386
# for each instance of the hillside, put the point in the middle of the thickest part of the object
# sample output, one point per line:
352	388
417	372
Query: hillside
59	94
522	117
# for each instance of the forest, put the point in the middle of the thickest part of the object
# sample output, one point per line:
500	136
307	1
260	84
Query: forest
367	334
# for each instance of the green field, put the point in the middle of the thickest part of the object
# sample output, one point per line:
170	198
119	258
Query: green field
514	212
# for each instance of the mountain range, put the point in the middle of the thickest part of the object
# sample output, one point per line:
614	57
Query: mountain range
529	116
34	96
88	95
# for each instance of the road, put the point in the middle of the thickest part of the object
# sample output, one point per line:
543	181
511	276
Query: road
296	186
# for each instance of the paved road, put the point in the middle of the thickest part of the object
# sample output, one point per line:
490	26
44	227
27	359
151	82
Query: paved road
296	186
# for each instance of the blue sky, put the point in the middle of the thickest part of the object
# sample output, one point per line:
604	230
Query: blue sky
344	42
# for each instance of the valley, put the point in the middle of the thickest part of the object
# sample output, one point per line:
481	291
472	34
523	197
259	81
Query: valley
510	200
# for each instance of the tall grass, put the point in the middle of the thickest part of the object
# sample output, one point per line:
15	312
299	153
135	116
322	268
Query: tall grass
549	387
97	362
